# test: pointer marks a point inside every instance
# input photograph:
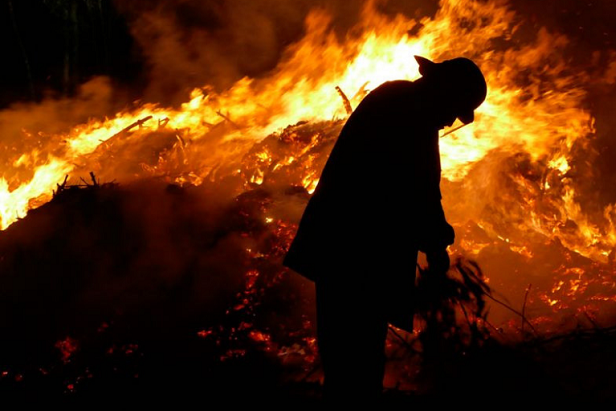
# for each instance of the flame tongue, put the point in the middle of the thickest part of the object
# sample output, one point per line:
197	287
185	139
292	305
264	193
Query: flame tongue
533	113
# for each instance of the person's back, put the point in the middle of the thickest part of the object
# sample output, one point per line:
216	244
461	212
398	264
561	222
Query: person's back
383	169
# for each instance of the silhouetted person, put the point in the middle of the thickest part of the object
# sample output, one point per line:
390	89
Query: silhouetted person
377	203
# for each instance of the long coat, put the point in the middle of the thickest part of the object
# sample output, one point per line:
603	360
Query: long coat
378	199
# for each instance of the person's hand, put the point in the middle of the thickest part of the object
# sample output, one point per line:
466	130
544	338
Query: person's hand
438	261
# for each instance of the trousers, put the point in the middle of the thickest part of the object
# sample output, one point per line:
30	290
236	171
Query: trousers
352	326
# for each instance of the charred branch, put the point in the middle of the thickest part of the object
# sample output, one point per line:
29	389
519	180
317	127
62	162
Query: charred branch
94	183
227	119
513	310
138	123
61	187
93	178
162	123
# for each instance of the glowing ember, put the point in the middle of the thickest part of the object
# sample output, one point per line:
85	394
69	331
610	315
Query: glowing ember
67	348
258	336
205	333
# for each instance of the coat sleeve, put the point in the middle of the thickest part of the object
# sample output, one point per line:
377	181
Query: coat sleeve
435	233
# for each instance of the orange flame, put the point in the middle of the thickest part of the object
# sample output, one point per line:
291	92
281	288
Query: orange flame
543	120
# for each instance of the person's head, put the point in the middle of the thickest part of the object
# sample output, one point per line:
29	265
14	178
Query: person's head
461	88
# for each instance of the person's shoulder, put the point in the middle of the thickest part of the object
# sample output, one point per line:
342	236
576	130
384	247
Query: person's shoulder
390	93
384	100
396	85
393	90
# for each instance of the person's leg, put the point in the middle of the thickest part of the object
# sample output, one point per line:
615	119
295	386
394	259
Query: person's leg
351	333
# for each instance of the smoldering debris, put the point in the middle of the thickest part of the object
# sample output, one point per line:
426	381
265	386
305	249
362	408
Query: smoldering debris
149	286
106	283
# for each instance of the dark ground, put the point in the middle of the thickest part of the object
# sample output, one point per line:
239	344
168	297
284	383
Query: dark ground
107	294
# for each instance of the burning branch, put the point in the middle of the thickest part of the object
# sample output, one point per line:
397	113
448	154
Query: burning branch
93	178
86	184
362	92
345	101
180	140
513	310
61	187
162	123
137	123
226	117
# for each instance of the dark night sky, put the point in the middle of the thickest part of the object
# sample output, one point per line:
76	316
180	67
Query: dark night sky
95	35
40	32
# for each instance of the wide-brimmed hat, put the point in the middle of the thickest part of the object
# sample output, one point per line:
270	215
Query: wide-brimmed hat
466	79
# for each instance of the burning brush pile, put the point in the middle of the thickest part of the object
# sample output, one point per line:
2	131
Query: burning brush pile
155	266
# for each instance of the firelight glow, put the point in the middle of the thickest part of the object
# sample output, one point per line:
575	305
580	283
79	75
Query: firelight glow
542	121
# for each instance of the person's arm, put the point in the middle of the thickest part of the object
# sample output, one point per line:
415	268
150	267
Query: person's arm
437	234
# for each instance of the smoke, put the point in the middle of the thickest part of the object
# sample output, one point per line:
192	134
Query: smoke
190	44
610	73
185	44
35	127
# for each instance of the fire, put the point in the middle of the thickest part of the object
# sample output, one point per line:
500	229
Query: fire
541	123
67	348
